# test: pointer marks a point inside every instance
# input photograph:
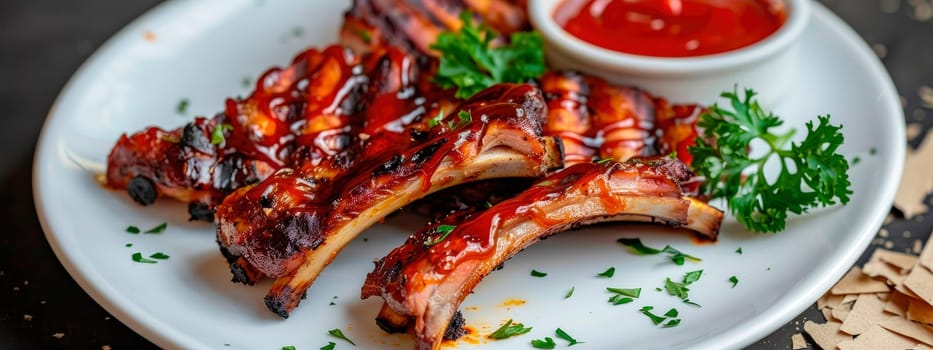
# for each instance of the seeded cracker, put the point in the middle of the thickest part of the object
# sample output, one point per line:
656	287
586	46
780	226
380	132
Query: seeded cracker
920	281
916	181
910	329
826	335
867	312
898	304
798	342
856	282
877	338
920	311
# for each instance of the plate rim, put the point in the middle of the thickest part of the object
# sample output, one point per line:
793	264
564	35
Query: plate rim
159	333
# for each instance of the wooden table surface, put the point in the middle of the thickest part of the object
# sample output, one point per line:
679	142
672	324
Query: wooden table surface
42	42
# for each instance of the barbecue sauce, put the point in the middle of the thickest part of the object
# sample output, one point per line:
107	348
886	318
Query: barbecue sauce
671	28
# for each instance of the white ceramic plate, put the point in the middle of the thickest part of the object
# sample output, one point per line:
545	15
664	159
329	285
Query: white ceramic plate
202	50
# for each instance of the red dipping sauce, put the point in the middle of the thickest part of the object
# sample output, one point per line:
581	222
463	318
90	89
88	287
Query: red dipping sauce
671	28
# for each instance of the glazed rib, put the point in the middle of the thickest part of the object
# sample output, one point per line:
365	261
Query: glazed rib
290	227
415	24
299	112
423	284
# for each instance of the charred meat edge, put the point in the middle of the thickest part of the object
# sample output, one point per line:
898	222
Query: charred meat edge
499	158
617	194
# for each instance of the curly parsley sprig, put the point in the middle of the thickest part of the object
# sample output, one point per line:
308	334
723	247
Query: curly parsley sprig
470	62
812	172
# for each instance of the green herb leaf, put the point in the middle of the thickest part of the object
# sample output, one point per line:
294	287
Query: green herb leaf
470	63
217	135
692	276
569	293
563	335
158	229
138	257
734	280
437	119
546	343
509	329
129	245
444	231
608	273
620	299
654	318
637	247
182	107
676	289
132	229
671	313
672	323
688	302
330	346
537	273
160	256
812	172
336	332
678	257
629	292
288	347
739	251
464	119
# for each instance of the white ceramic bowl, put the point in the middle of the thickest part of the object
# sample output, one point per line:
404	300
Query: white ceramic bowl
762	66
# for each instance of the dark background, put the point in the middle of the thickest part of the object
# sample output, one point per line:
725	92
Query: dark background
42	42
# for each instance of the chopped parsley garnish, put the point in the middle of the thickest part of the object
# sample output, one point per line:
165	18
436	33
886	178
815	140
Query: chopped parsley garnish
734	280
739	251
217	135
470	63
158	229
337	333
872	151
679	289
546	343
563	335
509	329
247	82
639	248
537	273
654	318
437	119
569	293
444	231
159	256
692	276
629	292
669	316
182	107
330	346
464	118
855	160
138	257
604	161
288	347
623	295
676	289
132	229
129	245
608	273
678	257
812	172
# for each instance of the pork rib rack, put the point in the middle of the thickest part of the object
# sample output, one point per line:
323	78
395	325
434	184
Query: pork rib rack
425	280
292	225
309	113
